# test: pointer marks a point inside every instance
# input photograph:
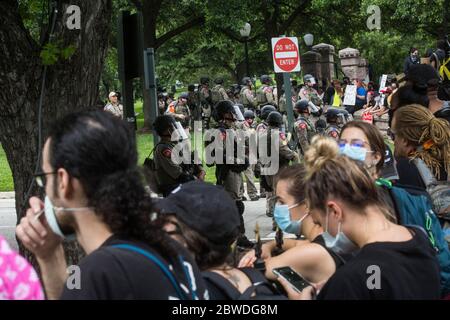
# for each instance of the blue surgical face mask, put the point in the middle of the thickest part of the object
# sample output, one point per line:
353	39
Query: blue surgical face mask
339	244
282	217
353	152
50	215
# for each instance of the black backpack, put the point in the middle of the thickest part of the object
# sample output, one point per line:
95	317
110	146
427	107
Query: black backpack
261	288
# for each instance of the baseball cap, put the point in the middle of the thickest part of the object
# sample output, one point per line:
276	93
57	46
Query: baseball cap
112	94
206	208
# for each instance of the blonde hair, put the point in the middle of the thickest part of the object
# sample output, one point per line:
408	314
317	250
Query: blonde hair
330	174
431	135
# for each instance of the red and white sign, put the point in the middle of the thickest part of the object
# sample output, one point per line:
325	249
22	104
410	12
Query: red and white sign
285	54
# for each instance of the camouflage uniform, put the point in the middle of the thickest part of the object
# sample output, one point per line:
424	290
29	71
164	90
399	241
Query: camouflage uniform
204	94
333	131
285	156
170	175
247	99
305	130
219	91
264	95
248	174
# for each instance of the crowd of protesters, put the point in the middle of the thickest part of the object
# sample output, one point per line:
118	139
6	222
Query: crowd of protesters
358	201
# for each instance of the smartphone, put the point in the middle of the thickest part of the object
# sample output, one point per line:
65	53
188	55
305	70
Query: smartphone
297	282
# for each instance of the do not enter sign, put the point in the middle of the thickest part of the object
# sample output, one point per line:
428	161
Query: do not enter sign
285	54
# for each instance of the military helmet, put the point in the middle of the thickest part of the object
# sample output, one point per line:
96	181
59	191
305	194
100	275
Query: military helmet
333	114
302	106
266	110
183	95
275	119
307	78
249	114
218	80
265	79
204	80
164	122
223	107
246	80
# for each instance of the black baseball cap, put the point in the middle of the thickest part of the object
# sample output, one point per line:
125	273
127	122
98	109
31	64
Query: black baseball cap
206	208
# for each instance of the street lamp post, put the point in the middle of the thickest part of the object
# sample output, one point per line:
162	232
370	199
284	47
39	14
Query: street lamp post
309	40
245	33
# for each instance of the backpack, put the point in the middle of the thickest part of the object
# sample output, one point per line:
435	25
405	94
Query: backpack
439	191
261	287
150	171
415	209
215	94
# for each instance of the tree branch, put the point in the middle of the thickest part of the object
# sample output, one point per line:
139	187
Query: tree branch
188	25
285	25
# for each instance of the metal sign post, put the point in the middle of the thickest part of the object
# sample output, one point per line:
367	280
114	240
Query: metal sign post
150	84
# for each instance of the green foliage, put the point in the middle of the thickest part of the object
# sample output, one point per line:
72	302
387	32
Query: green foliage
54	51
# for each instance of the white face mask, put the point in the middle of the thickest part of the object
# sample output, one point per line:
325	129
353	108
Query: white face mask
50	215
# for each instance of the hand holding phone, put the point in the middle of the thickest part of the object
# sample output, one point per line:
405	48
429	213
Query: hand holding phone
297	282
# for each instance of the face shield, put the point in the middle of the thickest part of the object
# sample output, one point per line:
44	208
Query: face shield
238	114
178	133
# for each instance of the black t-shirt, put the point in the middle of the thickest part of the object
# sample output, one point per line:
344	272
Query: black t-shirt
407	270
409	174
110	273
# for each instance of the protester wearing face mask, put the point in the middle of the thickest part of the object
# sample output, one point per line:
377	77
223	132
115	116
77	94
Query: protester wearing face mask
309	257
343	198
94	193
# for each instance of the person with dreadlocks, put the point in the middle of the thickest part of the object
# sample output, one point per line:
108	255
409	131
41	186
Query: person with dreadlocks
419	134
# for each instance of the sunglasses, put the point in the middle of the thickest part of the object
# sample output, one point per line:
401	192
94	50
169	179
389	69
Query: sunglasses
41	179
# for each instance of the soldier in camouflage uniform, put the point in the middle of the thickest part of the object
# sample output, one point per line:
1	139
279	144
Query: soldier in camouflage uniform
264	95
311	95
336	118
246	94
249	125
275	122
218	92
229	175
169	175
304	128
205	100
180	111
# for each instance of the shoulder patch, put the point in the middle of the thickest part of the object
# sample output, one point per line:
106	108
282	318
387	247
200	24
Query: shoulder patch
302	125
333	134
167	152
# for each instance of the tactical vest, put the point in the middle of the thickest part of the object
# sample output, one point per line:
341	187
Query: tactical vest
261	96
215	94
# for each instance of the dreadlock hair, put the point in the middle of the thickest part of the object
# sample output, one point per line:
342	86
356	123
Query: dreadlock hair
430	135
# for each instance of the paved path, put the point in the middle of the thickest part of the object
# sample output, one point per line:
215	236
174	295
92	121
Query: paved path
255	212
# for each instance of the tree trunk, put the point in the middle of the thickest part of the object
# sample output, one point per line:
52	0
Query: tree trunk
71	85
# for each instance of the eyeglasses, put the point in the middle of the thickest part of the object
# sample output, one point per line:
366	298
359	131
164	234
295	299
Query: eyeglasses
353	143
40	178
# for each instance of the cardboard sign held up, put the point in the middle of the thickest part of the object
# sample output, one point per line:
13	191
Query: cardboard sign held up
350	95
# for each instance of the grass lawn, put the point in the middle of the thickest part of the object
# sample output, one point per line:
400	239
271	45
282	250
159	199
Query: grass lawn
6	180
144	145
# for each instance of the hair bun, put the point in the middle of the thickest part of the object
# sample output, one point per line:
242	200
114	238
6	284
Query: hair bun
321	150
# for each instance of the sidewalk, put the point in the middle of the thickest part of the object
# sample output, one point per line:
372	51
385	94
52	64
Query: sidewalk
7	195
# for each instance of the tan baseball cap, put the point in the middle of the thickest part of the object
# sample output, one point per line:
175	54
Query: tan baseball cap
112	94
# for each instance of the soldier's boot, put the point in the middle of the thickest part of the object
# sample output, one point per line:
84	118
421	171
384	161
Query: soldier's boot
242	240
